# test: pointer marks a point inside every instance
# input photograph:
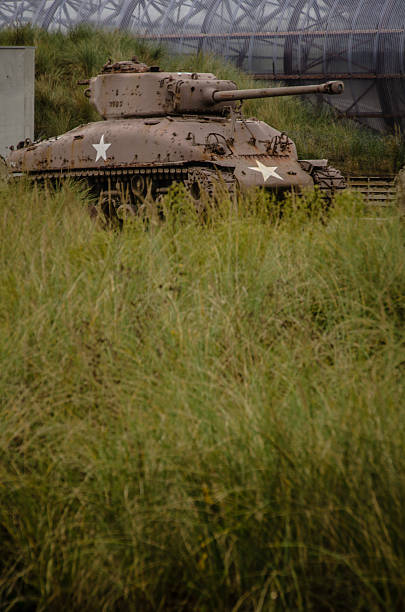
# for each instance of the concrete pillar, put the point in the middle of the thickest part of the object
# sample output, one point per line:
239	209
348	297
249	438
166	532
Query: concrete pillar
17	85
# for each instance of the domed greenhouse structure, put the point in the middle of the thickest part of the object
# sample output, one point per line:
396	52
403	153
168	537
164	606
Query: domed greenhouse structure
359	41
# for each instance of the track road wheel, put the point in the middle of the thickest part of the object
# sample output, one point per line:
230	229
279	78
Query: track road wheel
106	209
109	202
200	185
206	185
125	211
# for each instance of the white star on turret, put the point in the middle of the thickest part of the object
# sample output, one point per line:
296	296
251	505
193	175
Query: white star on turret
266	171
101	148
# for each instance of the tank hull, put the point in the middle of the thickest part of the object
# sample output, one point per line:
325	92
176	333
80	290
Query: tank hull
256	154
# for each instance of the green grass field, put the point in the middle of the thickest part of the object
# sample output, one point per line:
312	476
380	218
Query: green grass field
63	59
201	415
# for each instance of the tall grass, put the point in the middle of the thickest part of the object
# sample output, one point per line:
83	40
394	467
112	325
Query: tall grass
201	415
63	59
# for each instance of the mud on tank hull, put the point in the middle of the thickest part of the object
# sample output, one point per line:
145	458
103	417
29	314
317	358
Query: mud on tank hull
130	154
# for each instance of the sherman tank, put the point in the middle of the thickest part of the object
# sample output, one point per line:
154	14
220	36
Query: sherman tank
161	127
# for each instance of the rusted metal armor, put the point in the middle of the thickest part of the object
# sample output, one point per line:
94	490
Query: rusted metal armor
160	127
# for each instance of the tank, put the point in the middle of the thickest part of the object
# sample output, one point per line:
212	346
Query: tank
162	127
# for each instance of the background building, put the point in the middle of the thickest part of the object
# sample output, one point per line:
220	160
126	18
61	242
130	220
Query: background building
17	77
360	41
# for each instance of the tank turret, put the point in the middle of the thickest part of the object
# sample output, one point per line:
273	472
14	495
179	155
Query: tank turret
131	89
164	127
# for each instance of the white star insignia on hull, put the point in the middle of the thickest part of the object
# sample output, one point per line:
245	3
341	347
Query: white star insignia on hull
101	148
266	171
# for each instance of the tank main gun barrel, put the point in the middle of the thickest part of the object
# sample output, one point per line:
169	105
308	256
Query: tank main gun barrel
330	88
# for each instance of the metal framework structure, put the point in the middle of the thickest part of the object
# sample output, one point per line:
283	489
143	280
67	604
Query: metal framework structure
361	41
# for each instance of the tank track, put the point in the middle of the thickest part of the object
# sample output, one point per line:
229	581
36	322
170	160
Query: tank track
329	180
132	184
113	186
102	179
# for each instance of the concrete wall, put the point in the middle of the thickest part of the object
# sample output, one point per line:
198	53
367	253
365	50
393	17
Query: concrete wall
17	81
